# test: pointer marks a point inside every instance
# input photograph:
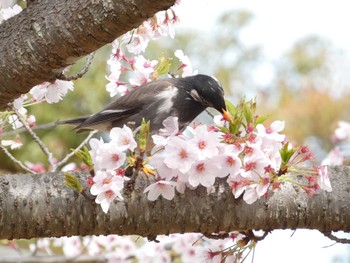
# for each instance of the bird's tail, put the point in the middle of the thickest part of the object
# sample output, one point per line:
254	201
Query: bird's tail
75	121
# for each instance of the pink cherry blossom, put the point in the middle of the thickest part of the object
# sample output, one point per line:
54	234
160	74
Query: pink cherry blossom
180	154
323	178
272	132
53	92
163	188
163	170
343	131
108	156
186	65
203	172
6	13
206	142
334	157
18	103
14	144
123	138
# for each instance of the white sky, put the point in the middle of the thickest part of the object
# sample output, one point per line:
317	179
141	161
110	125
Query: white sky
276	26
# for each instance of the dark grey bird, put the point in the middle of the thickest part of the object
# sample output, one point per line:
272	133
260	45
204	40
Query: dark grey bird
184	98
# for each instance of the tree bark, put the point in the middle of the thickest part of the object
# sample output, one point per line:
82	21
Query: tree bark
37	44
42	206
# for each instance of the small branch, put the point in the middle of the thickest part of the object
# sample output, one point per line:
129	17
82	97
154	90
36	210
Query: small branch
35	137
13	159
82	72
337	239
45	126
65	159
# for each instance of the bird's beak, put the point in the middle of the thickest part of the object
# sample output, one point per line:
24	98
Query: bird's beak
226	115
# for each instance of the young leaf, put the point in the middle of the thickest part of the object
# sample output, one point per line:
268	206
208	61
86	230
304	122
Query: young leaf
143	135
163	66
84	155
72	182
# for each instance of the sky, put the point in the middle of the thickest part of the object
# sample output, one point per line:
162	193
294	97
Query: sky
276	26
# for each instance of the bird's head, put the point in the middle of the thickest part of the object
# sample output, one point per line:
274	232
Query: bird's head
208	92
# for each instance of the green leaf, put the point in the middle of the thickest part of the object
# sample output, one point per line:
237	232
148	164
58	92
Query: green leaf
163	67
85	156
230	108
286	153
261	119
143	135
72	182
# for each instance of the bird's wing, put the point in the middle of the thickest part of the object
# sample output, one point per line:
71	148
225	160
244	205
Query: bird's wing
130	104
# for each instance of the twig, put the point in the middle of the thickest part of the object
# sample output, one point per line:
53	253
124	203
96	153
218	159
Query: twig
35	137
13	159
82	72
210	114
65	159
45	126
337	239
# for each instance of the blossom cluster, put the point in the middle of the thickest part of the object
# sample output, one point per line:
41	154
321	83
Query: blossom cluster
127	55
253	164
190	247
109	159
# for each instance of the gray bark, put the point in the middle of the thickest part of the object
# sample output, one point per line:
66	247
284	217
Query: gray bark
42	206
37	44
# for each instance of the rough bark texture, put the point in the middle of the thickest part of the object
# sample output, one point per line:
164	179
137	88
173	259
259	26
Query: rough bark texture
42	206
52	34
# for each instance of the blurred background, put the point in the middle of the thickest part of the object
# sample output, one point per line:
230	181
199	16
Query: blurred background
293	57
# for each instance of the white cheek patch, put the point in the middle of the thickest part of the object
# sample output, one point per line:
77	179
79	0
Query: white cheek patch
167	97
194	94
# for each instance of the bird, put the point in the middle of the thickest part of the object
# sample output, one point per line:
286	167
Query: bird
184	98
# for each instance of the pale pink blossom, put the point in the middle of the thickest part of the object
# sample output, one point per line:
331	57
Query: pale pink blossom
115	86
343	131
272	132
108	156
162	169
323	178
52	92
108	195
18	103
123	138
14	144
163	188
171	128
334	157
203	172
180	154
229	161
9	12
206	142
186	65
135	43
15	122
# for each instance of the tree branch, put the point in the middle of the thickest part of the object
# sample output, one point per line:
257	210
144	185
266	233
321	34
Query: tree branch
42	206
49	35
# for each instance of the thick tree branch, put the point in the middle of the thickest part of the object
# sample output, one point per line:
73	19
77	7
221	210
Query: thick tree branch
42	206
37	44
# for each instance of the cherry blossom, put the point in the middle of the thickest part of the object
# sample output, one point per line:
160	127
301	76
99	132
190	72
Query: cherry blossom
18	103
123	138
14	144
163	188
9	12
334	157
343	131
186	65
323	179
182	154
52	92
203	172
206	142
108	156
